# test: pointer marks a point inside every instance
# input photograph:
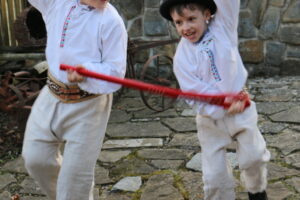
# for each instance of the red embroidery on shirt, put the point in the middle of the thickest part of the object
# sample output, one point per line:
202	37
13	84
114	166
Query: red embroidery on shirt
65	28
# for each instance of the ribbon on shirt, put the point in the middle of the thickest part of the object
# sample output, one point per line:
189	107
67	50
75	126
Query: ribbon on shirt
218	99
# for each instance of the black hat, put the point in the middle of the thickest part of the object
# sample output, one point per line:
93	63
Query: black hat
168	4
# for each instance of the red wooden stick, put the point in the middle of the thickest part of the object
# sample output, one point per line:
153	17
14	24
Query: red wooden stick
161	90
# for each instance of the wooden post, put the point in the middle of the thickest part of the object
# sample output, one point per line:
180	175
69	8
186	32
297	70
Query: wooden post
4	27
22	56
9	11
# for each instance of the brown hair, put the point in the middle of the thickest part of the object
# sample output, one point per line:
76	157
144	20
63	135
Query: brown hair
192	6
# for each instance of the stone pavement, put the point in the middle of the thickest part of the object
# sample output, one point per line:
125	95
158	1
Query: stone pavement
156	156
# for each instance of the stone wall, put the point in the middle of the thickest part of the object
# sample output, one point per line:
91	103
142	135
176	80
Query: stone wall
269	33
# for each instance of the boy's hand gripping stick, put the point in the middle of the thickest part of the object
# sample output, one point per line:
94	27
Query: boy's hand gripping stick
161	90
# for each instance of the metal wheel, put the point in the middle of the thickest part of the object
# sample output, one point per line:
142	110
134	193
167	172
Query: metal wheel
158	70
18	90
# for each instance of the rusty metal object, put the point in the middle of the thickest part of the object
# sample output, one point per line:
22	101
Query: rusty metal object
153	101
15	197
17	90
136	46
158	70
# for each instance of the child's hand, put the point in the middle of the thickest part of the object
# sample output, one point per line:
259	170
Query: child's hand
238	105
75	77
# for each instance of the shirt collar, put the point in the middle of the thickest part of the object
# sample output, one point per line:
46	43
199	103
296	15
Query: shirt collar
204	36
83	7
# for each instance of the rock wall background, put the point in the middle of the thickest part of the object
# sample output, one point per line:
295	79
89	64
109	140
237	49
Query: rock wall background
269	32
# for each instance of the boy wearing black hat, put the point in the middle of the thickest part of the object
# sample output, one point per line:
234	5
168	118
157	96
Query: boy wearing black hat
207	60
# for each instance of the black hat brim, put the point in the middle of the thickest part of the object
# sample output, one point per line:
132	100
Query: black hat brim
168	4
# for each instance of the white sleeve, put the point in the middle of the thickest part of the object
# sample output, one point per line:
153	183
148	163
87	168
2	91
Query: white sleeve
226	19
227	59
113	62
43	5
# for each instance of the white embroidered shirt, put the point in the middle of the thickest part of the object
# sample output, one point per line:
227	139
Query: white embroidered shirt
79	35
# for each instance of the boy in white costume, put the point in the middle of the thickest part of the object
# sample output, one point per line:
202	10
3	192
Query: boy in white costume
72	109
207	60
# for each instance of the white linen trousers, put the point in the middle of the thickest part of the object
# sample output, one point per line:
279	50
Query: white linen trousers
215	136
81	126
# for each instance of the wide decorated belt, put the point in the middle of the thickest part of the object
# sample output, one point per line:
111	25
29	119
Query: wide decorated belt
67	93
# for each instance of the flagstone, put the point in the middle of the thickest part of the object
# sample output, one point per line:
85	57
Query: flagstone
286	142
112	156
275	172
278	191
291	116
161	187
181	124
128	184
146	129
132	143
16	165
6	179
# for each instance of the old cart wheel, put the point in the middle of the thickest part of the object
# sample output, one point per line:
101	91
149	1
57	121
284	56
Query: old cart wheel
158	70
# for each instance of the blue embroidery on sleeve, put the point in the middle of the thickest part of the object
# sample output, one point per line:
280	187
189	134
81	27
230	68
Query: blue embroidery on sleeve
213	67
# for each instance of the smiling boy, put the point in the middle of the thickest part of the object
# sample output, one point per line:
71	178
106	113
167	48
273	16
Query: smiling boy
207	60
71	109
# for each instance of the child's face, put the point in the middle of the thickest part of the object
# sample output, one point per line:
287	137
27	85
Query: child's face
191	24
98	4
